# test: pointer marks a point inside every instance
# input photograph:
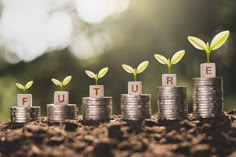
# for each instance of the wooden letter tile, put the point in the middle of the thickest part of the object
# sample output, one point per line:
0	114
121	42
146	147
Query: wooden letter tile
61	98
135	87
169	80
24	100
208	70
96	91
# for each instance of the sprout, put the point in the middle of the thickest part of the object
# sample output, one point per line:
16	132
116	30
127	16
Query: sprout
24	88
62	83
100	74
216	43
169	62
141	67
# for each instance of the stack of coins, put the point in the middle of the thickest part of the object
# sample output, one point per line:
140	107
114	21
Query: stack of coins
172	103
135	107
59	113
25	114
96	109
208	97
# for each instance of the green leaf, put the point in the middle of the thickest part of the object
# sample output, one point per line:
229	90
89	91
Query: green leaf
66	80
20	86
142	66
161	59
128	68
56	82
219	40
177	56
102	72
197	43
90	74
29	84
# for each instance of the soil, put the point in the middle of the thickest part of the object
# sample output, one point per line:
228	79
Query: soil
192	137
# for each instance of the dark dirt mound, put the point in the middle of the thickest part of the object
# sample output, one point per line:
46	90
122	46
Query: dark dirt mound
208	137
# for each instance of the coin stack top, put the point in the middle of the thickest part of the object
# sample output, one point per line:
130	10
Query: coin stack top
135	107
172	103
208	97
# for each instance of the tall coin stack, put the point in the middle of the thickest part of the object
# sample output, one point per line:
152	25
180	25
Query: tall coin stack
24	112
61	109
208	93
172	103
135	106
96	107
172	100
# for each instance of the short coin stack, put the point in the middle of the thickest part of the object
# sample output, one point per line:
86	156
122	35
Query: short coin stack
208	97
172	103
135	107
58	113
96	109
25	114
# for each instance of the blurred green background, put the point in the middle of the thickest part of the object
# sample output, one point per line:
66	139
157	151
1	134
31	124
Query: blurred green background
130	35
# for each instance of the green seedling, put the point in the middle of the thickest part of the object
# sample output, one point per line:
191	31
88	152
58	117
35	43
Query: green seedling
169	62
216	43
135	71
100	74
24	87
63	83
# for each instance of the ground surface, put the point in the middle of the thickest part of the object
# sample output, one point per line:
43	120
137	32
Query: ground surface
211	137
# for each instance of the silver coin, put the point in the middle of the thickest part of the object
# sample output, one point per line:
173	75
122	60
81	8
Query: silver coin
172	103
129	117
172	97
134	106
173	117
97	109
59	117
208	83
172	88
209	107
136	95
172	113
167	109
143	116
207	111
96	100
172	110
21	118
62	111
133	112
208	79
96	106
97	113
217	92
208	115
172	92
